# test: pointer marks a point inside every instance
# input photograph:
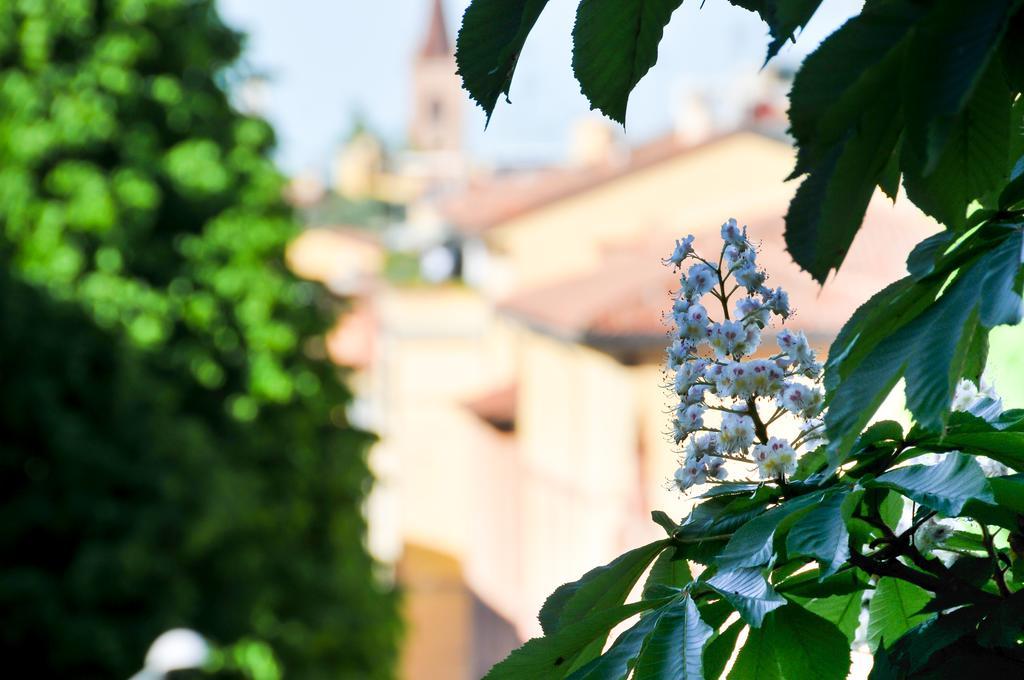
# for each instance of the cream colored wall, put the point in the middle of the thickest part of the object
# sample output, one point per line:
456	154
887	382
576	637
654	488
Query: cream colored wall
695	190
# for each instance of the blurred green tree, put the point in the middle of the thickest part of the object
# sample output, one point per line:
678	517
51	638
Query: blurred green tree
174	448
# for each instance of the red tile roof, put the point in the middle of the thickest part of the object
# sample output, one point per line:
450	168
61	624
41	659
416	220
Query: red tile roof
621	304
486	203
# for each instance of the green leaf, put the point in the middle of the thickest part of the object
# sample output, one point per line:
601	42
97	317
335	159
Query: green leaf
554	655
1006	447
921	261
490	40
894	610
822	534
916	647
757	660
615	44
719	651
828	208
951	48
841	610
622	655
972	162
809	584
784	18
930	347
751	544
670	569
675	648
807	645
598	589
944	487
664	521
748	592
1013	193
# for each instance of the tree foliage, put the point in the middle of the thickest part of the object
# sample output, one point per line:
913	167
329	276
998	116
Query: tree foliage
173	452
923	95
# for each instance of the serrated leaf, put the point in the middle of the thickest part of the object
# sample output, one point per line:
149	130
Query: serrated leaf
913	650
971	162
748	592
675	648
894	610
784	18
822	534
554	655
944	487
598	589
931	347
615	44
952	47
490	40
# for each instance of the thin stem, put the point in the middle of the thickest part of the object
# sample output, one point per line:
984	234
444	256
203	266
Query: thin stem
759	427
997	572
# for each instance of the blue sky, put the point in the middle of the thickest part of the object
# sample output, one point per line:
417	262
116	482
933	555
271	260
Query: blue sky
328	60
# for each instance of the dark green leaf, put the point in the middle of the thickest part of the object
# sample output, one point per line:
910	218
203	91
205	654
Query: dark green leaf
757	660
615	44
921	261
675	648
894	610
807	645
622	655
751	544
598	589
944	487
973	159
748	592
490	40
784	18
913	650
554	655
670	569
822	534
664	521
841	610
809	584
719	651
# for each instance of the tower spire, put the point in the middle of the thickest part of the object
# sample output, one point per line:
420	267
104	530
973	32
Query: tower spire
435	42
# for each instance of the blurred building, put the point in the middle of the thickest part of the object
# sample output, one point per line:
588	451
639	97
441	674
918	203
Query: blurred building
515	379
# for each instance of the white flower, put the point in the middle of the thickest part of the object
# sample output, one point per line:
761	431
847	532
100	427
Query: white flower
695	394
749	276
690	417
984	402
750	341
932	534
689	474
679	306
802	400
778	301
775	458
716	468
766	377
693	325
812	434
703	446
677	354
795	345
682	250
725	336
737	433
750	309
699	280
732	234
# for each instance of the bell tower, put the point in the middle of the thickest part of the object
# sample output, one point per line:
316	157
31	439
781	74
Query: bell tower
437	100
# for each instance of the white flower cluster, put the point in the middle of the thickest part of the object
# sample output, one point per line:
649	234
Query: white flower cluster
713	367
